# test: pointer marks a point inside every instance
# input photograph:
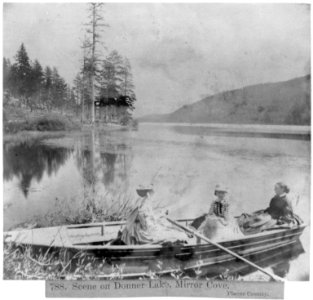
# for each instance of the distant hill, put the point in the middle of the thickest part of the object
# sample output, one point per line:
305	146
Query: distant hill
286	102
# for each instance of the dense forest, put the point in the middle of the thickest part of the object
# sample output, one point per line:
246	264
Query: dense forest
28	85
101	76
113	79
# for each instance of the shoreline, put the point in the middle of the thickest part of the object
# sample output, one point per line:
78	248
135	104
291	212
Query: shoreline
249	130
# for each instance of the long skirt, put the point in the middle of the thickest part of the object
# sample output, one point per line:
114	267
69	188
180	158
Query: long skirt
216	229
261	220
143	228
256	222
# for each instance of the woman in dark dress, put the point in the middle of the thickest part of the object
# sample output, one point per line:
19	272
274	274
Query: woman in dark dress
278	213
280	207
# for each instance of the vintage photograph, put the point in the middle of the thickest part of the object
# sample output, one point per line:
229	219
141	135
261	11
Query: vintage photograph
156	141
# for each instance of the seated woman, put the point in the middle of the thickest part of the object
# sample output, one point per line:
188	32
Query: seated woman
217	223
145	225
279	212
280	207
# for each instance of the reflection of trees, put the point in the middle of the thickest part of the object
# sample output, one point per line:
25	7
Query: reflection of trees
115	167
112	165
30	160
83	160
104	166
108	161
282	265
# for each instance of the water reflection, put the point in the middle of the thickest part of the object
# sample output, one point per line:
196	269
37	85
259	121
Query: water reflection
281	269
108	160
103	166
97	159
277	259
31	160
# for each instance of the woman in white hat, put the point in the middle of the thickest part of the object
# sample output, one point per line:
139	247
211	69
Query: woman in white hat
217	224
220	206
146	224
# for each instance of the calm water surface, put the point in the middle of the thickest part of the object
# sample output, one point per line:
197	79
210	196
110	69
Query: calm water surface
183	164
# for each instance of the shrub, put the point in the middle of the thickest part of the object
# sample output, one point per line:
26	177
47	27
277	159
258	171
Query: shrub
47	122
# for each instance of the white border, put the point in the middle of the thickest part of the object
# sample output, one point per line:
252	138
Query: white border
36	289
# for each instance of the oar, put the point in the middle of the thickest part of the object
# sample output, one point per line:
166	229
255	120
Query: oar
275	277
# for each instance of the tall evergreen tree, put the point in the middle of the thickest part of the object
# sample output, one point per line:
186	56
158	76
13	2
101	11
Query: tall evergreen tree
37	76
7	86
6	74
37	84
127	87
48	87
21	72
111	75
95	24
116	78
78	88
59	89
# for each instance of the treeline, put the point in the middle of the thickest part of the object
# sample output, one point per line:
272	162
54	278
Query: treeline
27	84
113	79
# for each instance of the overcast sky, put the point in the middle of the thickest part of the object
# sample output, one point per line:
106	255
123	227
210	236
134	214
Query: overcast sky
179	52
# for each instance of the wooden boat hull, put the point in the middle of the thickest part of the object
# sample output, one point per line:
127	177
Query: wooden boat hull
139	260
278	259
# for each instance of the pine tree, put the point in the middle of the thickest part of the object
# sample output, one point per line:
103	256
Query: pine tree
94	24
37	84
37	76
78	89
73	106
33	86
116	78
48	88
7	81
59	89
21	72
6	74
70	103
111	75
127	86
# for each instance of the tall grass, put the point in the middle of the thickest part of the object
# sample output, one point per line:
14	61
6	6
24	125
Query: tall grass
24	263
17	120
112	206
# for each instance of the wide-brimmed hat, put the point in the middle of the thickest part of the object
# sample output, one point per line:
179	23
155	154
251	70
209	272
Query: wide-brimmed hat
143	191
220	188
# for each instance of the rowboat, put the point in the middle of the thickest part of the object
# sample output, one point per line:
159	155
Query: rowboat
95	239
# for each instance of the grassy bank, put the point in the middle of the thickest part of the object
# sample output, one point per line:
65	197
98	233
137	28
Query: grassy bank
22	262
17	120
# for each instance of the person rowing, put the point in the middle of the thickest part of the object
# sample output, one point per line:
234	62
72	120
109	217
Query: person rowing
217	224
147	225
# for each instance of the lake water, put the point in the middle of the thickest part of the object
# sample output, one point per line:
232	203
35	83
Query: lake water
184	163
